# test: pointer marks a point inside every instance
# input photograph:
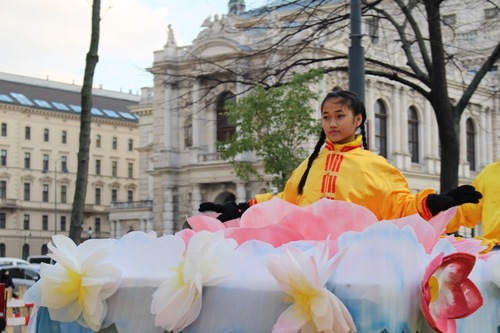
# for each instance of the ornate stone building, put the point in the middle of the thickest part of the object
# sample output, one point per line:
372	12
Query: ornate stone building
185	118
39	142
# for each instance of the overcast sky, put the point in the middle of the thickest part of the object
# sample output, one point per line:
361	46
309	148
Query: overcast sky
50	38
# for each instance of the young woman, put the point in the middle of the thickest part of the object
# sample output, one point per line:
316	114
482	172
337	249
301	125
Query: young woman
340	169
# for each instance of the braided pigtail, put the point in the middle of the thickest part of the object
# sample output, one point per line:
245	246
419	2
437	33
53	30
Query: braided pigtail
311	159
363	136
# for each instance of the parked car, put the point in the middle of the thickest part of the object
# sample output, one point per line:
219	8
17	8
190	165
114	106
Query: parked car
41	258
22	275
6	261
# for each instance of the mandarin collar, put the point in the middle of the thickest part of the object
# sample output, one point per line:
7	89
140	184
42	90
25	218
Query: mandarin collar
356	143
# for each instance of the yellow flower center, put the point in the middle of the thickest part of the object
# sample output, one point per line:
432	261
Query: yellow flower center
73	287
303	293
433	287
179	270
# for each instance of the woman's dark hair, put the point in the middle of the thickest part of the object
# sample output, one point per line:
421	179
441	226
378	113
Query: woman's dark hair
352	101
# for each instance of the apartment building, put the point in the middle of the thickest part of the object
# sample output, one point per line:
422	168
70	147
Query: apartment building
39	142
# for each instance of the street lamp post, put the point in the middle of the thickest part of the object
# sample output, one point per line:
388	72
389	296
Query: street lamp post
55	188
55	196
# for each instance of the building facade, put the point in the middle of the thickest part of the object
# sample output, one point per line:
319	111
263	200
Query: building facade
39	142
185	111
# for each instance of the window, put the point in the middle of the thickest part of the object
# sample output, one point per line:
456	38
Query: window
413	140
97	167
27	160
26	222
131	170
4	129
381	128
114	195
46	135
130	145
2	250
373	29
130	196
27	133
188	132
64	137
27	191
98	141
97	196
114	168
3	157
45	222
45	193
64	194
64	164
490	13
63	223
450	19
224	128
26	254
45	162
115	143
3	189
471	143
44	250
97	226
3	220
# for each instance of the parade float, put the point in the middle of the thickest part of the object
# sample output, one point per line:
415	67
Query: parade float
327	267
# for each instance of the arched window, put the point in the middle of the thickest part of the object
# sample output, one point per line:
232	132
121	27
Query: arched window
471	143
188	132
224	128
225	197
381	128
413	134
26	251
44	249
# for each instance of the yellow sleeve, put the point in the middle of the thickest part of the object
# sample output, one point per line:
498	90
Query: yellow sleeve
384	190
467	215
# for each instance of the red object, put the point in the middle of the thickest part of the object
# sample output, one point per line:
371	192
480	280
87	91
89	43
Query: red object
3	301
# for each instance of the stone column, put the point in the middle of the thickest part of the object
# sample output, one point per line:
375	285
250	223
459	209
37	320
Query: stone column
406	165
241	194
463	167
428	138
396	127
168	210
197	114
483	145
370	115
167	117
195	198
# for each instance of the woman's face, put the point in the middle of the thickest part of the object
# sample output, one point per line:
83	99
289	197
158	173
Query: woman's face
339	122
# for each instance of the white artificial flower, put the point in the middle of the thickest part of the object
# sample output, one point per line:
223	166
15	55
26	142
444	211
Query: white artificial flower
303	277
77	286
209	259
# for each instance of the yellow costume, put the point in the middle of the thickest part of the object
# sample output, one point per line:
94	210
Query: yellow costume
349	173
487	210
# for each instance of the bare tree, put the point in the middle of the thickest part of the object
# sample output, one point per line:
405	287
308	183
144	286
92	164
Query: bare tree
85	122
428	62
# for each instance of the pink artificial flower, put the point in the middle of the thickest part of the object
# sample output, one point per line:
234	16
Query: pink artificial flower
447	292
278	222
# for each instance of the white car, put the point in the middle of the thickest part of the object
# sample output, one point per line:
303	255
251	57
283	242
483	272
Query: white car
41	258
6	261
22	275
